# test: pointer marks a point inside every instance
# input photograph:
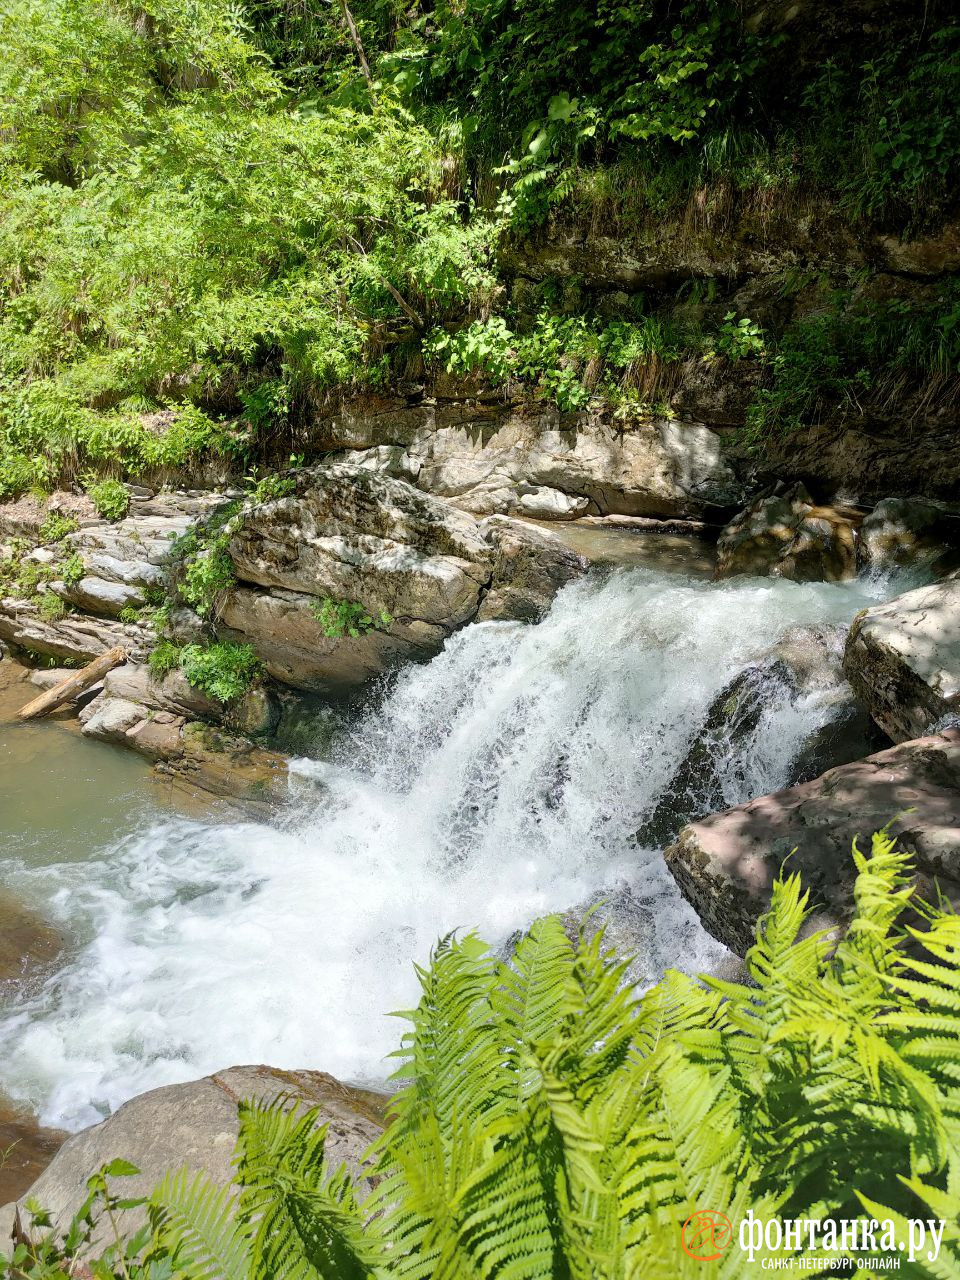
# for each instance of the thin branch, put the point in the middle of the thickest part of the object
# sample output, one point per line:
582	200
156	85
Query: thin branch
358	45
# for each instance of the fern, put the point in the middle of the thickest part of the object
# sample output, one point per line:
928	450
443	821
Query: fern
552	1124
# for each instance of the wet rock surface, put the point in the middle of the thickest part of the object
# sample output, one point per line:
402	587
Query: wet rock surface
805	664
912	533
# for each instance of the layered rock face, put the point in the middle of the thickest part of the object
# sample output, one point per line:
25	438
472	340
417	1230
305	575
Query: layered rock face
530	460
195	1126
903	659
420	568
726	864
120	567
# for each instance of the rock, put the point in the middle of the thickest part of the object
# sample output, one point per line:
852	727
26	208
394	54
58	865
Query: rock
110	719
725	865
912	533
787	536
190	753
529	567
292	645
543	503
903	659
355	535
78	637
352	534
257	712
528	459
101	596
805	665
195	1126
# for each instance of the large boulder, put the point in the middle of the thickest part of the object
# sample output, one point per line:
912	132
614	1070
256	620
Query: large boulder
195	1126
802	668
787	535
903	659
725	864
419	567
912	533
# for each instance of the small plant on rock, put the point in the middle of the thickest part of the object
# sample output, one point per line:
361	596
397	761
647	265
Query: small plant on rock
56	527
164	658
224	671
72	569
51	607
740	339
339	618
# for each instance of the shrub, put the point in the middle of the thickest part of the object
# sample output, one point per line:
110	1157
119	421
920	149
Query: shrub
740	339
222	670
551	1122
110	497
206	576
339	618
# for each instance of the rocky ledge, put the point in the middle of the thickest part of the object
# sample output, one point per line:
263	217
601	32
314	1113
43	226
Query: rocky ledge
419	567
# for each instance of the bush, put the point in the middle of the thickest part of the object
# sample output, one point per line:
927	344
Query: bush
551	1122
110	497
223	671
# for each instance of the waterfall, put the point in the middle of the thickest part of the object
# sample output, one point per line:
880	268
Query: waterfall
506	778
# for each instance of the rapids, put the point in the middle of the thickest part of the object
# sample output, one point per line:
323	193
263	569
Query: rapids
504	779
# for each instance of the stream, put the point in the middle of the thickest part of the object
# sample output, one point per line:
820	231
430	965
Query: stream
504	779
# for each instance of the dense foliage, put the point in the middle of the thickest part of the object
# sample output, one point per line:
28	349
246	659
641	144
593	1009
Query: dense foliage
214	215
550	1123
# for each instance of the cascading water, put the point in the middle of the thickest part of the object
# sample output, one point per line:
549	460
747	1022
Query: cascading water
504	779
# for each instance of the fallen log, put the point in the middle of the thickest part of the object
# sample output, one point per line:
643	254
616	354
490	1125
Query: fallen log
73	686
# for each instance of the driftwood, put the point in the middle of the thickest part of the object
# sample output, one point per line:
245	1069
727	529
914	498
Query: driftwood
73	686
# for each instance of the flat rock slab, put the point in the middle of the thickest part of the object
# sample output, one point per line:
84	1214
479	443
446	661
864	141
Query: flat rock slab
195	1125
903	659
726	864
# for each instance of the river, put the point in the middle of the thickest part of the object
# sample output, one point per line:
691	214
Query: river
504	779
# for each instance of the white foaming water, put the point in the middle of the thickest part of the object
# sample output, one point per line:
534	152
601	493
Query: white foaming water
503	780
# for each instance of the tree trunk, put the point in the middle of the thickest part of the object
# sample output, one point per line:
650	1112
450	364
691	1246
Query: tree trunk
73	686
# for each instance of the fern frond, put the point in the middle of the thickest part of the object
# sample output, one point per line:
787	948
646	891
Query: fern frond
195	1220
